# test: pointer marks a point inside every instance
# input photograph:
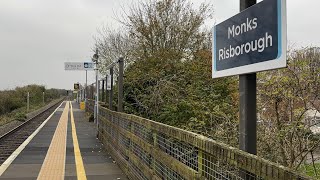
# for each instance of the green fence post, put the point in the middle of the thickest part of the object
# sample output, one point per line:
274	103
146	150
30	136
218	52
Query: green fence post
200	167
154	134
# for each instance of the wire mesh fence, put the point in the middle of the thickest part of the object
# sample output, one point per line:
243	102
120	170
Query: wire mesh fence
145	149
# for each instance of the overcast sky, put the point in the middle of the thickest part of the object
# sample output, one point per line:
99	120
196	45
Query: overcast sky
38	36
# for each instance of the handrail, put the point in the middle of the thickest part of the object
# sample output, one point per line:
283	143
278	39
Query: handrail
146	149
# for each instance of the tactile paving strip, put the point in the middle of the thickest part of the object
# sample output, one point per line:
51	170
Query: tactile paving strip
54	163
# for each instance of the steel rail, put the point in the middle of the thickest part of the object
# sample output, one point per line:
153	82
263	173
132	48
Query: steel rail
29	120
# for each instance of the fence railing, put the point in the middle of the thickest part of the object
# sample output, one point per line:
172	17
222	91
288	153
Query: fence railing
145	149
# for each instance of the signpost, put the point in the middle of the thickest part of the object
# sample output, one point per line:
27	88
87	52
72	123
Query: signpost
79	66
251	41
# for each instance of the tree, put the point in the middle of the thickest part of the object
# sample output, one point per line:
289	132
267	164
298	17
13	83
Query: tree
184	95
152	28
285	98
172	26
112	44
168	72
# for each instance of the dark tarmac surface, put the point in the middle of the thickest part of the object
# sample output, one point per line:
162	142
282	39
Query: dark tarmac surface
97	164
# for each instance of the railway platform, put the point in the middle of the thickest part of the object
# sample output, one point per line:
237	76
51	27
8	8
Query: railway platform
63	147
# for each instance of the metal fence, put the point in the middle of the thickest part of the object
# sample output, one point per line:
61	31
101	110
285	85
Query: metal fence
145	149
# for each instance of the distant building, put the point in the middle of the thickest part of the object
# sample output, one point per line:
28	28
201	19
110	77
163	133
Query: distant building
313	120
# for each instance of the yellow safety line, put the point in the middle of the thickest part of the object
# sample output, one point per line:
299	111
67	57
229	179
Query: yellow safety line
81	173
53	166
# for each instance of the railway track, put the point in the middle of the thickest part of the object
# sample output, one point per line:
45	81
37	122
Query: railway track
10	141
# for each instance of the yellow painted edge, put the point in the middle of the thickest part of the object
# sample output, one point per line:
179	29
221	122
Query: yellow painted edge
81	173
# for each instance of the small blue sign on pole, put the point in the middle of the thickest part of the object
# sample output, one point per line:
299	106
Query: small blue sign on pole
88	65
251	41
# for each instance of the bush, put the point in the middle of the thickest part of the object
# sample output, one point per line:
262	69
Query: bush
11	100
20	116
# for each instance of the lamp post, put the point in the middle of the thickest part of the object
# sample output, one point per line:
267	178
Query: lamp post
96	106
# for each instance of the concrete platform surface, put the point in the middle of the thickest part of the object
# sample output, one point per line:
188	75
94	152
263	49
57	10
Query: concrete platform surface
59	151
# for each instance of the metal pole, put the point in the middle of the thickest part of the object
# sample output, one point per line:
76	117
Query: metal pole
97	96
92	92
43	98
97	90
244	4
77	98
248	103
81	95
100	93
120	85
28	102
88	92
102	98
95	59
248	108
111	90
106	99
85	93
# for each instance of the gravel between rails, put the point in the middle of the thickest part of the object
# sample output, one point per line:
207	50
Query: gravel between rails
11	125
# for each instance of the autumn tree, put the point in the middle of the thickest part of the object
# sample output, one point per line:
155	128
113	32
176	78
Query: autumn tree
285	98
153	28
112	44
172	26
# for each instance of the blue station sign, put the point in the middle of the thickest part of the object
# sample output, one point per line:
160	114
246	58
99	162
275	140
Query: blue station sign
251	41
